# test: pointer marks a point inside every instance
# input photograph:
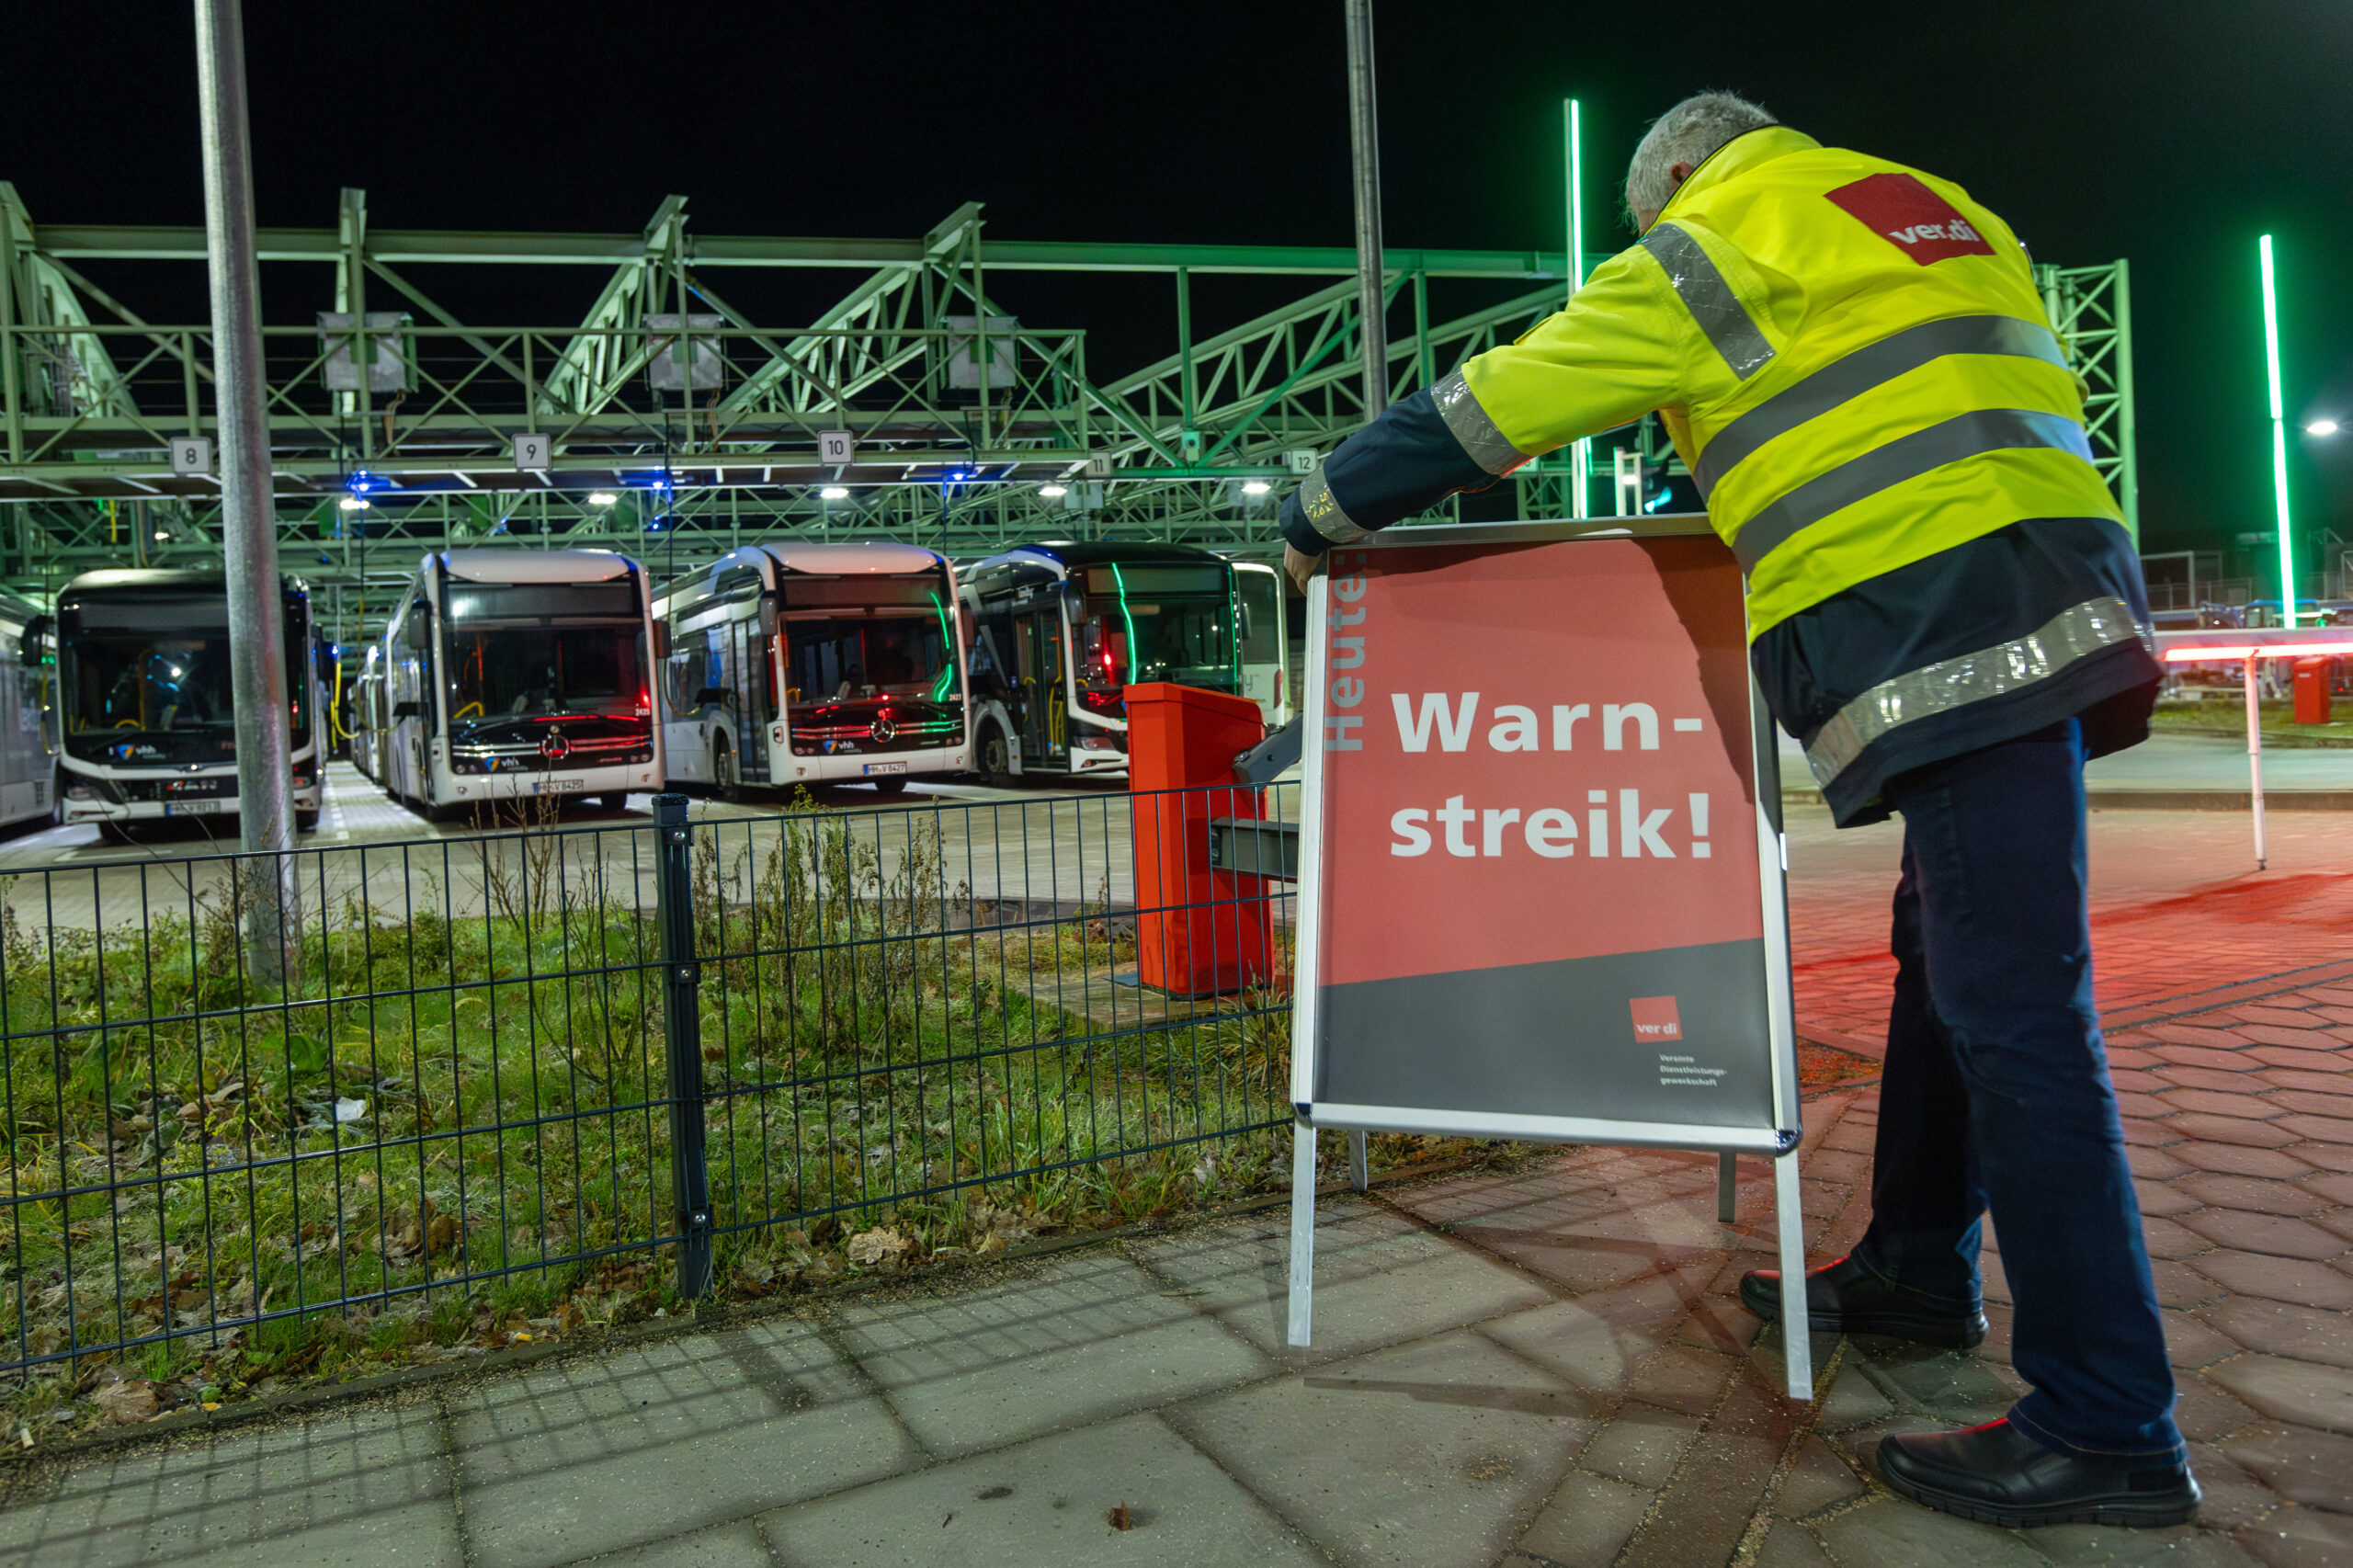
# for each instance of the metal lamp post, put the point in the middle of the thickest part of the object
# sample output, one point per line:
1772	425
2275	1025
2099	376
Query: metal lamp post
267	889
1372	307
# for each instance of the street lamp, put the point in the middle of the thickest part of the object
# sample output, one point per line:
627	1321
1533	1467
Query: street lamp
2322	428
2278	437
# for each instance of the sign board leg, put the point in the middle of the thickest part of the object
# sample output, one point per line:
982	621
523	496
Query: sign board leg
1727	1186
1359	1162
1302	1229
1797	1334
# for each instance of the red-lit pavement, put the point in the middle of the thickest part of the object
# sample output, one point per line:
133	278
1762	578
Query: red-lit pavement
1538	1367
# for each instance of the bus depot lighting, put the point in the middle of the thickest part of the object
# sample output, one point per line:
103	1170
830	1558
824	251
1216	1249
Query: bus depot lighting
2322	428
1572	133
1256	487
2278	438
602	498
349	504
834	493
1053	492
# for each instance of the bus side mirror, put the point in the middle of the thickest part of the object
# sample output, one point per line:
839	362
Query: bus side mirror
404	710
1074	602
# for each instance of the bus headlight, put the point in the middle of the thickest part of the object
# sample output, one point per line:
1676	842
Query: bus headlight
81	792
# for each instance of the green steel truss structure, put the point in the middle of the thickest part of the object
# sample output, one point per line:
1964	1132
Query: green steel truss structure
679	426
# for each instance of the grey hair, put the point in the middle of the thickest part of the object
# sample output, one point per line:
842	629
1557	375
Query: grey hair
1687	133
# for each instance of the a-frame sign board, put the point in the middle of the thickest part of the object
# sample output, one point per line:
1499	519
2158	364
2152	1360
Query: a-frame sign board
1540	860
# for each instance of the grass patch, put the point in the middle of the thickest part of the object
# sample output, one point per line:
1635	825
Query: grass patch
449	1132
2227	716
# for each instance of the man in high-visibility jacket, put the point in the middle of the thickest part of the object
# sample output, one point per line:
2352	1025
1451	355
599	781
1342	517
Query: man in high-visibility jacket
1946	611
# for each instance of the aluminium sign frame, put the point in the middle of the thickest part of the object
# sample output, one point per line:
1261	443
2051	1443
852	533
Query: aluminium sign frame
1778	1141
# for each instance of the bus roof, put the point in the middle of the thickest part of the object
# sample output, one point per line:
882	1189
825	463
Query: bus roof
862	558
160	579
536	565
1067	555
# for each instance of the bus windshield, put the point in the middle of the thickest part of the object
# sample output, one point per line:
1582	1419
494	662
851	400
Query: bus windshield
1146	623
839	658
528	672
148	682
131	680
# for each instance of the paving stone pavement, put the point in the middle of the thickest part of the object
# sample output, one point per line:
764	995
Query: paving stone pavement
1537	1366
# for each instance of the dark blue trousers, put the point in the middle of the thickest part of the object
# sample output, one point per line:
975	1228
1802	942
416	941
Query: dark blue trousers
1996	1098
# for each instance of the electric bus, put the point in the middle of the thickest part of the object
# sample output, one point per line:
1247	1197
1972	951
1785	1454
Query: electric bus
27	718
144	703
368	715
519	673
1060	630
806	663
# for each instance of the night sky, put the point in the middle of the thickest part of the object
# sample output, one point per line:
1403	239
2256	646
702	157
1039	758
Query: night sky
2169	133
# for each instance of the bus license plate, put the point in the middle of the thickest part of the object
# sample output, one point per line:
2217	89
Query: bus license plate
191	808
874	767
559	786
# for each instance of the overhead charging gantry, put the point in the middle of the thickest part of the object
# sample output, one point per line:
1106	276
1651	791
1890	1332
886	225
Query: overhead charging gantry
946	396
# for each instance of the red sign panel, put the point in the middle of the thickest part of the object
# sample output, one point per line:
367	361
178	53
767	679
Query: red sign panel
1538	820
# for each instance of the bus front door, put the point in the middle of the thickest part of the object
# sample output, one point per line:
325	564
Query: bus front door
1265	643
1037	639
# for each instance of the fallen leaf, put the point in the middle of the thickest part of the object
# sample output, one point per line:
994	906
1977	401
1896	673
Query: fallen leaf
881	1247
1120	1519
126	1402
441	1236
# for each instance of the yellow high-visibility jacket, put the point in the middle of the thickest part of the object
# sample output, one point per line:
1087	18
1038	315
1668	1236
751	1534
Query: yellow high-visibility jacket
1854	362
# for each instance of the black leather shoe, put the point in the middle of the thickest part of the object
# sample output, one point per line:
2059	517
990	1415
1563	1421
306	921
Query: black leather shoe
1846	1297
1998	1475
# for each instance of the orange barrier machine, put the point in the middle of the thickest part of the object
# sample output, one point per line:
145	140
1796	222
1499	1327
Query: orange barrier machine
1200	931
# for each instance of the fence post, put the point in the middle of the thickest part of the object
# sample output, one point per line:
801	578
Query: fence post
682	1038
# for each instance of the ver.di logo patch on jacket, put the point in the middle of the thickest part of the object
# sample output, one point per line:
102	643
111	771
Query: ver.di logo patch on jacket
1916	219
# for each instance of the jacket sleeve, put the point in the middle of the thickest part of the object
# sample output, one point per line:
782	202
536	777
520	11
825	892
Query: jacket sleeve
1617	352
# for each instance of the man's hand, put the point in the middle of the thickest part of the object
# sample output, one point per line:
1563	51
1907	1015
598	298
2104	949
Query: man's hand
1300	567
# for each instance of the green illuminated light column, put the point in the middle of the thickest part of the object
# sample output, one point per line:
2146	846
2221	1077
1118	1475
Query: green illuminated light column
2278	440
1572	131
